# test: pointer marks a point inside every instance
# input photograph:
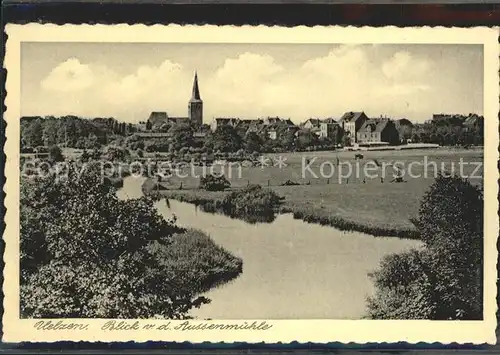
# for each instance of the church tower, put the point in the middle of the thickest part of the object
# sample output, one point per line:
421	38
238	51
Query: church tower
195	107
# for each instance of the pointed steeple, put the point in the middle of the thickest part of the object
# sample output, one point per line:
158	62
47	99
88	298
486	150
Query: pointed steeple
196	91
195	105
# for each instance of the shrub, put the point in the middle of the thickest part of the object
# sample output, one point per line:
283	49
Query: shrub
214	183
252	201
116	153
403	288
445	279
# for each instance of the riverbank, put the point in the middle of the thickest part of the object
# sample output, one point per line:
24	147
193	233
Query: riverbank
314	204
210	265
289	264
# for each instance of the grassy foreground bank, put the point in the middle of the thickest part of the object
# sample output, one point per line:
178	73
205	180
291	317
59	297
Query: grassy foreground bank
206	264
345	207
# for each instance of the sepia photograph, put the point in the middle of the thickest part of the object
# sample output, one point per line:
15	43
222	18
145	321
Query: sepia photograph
201	181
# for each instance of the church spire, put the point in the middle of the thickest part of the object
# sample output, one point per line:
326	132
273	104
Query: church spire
195	105
196	91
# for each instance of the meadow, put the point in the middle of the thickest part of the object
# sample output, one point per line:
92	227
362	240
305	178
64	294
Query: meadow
363	201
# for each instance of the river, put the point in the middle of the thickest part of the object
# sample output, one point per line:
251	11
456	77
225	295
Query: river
291	269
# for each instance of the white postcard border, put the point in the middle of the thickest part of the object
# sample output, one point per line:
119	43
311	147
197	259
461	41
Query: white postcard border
317	331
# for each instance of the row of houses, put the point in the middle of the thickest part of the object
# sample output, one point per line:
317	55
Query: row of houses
356	125
352	127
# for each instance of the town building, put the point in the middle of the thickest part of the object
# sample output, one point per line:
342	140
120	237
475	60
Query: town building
329	129
195	106
222	121
351	122
271	120
378	131
280	128
473	122
311	123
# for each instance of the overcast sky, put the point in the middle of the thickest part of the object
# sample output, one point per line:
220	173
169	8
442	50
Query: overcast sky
128	81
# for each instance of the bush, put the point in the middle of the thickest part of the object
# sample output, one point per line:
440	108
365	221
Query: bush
252	201
445	278
403	288
214	183
116	153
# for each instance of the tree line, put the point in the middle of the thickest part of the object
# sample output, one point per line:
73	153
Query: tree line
71	131
75	132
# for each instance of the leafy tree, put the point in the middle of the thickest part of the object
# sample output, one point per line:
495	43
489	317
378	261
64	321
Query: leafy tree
287	140
253	143
50	133
182	136
33	134
306	138
55	154
403	288
346	139
84	253
226	139
85	157
116	153
444	279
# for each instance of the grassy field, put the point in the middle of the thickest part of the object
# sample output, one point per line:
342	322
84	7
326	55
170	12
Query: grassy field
364	203
318	171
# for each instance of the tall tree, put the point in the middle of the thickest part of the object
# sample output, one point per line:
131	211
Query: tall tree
33	133
444	280
306	138
182	136
253	143
226	139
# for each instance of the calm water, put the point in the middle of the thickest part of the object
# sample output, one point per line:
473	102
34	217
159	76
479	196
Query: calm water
291	269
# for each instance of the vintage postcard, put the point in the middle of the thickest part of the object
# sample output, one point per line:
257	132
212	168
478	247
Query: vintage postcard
251	184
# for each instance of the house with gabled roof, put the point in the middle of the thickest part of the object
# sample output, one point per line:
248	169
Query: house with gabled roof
271	120
473	121
351	122
378	131
157	118
311	123
221	121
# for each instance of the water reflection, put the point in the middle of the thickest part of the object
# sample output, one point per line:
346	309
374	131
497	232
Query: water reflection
291	269
267	216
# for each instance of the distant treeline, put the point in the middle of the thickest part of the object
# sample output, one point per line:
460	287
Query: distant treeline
453	130
71	131
76	132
